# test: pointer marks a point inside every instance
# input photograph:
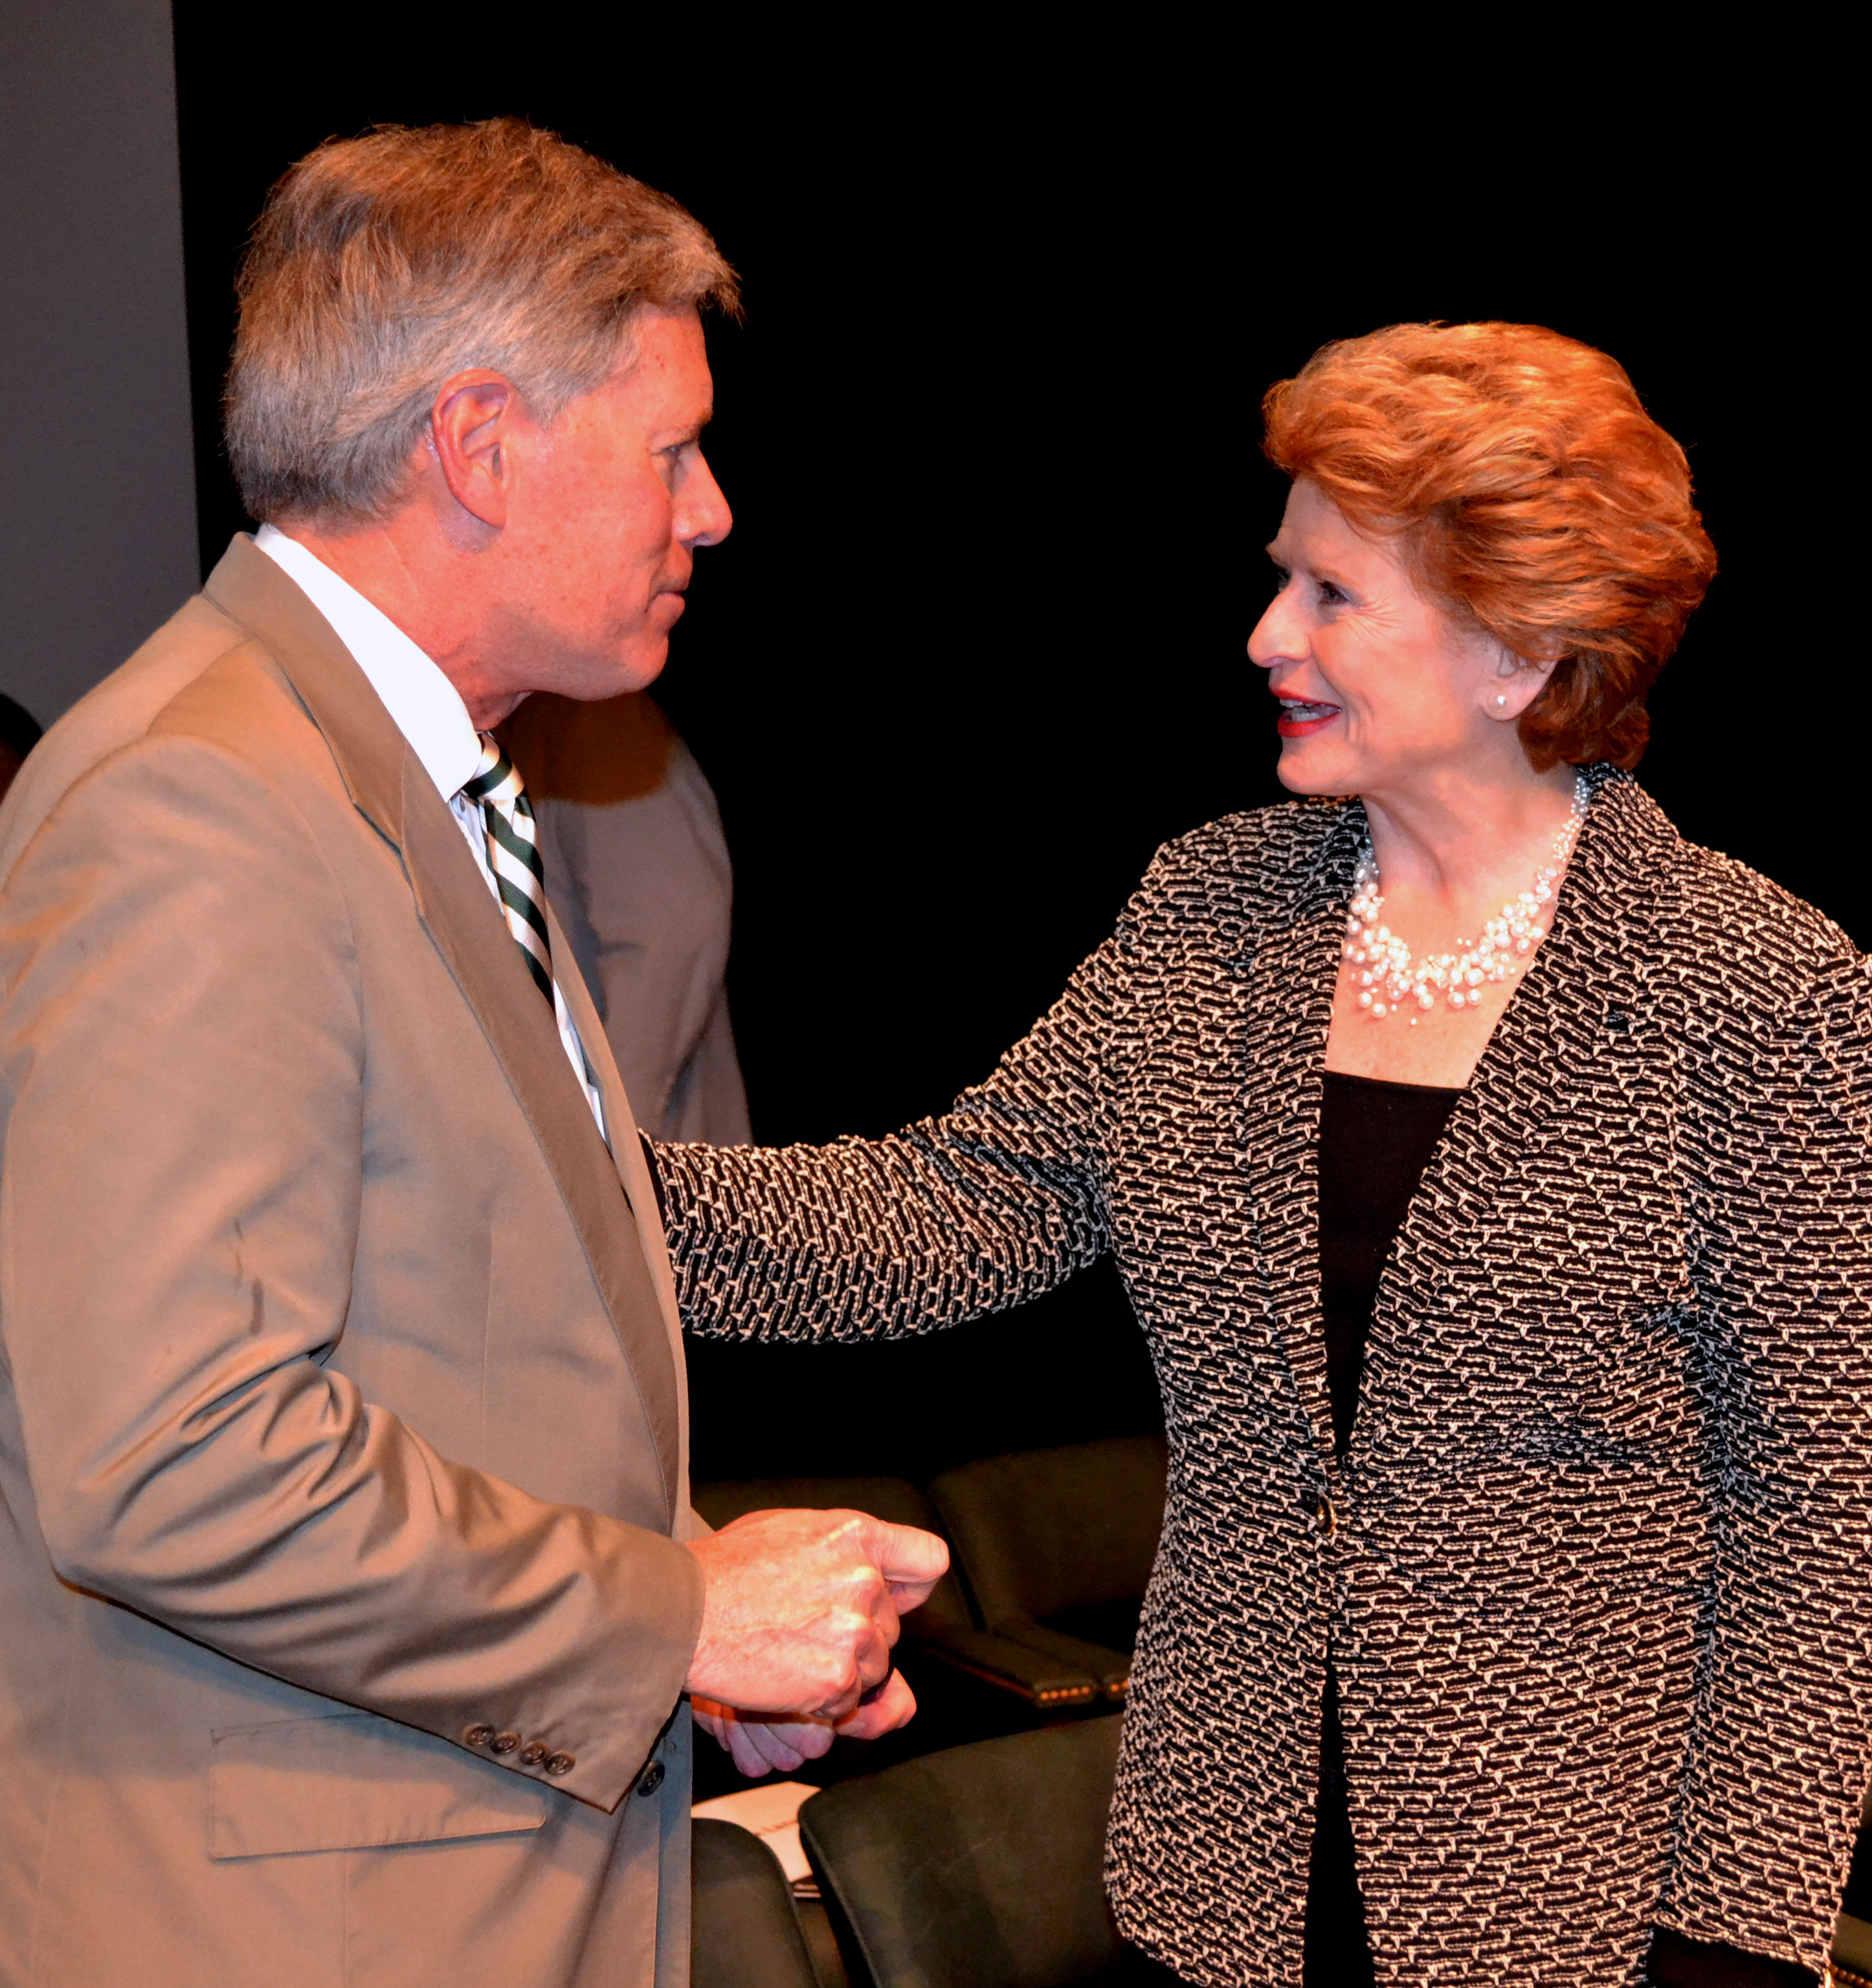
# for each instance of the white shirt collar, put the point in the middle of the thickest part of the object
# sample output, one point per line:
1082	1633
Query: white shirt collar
425	706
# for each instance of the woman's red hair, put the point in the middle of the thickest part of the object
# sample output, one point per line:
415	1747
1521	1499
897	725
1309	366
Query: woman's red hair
1534	496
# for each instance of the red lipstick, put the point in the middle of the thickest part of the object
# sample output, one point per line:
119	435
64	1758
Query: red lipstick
1298	719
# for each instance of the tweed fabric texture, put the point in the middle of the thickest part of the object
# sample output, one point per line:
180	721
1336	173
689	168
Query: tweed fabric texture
1597	1590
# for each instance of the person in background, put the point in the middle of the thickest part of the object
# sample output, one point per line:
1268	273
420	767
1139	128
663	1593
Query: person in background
1490	1169
637	871
19	733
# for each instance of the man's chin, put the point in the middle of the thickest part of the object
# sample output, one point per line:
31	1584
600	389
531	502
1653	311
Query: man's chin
644	663
617	675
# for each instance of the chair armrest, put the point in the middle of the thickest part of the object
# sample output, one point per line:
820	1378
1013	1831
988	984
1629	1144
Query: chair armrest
1852	1950
1112	1668
1029	1673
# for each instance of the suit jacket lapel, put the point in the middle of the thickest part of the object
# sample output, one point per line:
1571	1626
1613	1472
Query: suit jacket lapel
1284	1048
633	1173
369	749
387	783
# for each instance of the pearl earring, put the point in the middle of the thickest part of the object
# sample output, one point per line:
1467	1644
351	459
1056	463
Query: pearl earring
1501	702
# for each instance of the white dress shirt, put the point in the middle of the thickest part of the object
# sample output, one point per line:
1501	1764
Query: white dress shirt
427	708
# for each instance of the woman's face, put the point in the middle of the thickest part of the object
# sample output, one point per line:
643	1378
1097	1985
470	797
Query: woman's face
1379	689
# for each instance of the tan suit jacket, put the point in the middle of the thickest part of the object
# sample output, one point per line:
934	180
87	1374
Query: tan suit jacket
341	1415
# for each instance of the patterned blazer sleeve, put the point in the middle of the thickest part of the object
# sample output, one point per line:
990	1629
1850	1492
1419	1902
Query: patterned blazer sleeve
995	1201
1778	1153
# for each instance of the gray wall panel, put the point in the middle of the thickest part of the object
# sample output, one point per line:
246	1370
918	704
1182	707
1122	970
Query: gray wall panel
97	513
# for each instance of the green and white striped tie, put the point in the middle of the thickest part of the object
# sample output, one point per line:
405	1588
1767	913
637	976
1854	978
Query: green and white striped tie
513	857
520	883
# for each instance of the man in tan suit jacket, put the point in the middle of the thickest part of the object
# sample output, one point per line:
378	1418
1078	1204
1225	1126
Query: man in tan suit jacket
349	1584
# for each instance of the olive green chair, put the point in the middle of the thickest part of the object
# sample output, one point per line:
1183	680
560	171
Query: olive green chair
978	1867
1056	1548
745	1932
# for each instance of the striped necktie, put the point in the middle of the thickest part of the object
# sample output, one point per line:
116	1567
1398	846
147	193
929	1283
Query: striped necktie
520	883
513	857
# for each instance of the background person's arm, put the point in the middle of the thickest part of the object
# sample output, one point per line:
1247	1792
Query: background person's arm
638	869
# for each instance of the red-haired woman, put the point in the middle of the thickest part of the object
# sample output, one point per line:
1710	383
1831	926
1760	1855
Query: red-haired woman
1488	1167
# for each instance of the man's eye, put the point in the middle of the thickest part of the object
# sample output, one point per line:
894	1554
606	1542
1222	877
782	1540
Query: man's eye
1331	595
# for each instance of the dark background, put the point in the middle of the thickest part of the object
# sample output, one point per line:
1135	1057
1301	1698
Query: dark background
975	647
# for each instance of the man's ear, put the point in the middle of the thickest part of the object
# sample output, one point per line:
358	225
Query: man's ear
470	426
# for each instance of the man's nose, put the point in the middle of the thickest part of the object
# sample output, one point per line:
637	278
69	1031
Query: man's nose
703	515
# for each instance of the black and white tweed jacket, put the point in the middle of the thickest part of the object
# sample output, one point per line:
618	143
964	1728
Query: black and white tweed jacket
1599	1590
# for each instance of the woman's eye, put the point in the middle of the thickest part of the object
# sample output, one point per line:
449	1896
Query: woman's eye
1331	595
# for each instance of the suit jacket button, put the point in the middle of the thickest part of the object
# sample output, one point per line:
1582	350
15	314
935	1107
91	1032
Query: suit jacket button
504	1742
560	1763
477	1736
533	1753
652	1778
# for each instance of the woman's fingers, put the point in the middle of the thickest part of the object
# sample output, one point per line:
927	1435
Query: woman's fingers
784	1747
762	1745
713	1719
747	1756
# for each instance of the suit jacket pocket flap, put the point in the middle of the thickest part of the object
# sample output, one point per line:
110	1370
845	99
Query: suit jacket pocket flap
353	1782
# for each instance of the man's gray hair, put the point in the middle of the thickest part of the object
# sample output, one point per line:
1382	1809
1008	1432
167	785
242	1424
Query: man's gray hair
381	266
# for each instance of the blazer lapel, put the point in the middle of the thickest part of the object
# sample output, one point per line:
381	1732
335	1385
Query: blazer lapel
390	788
1283	1051
1585	985
1588	957
1581	1010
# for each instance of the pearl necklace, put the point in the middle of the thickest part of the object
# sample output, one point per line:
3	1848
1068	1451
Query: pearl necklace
1389	979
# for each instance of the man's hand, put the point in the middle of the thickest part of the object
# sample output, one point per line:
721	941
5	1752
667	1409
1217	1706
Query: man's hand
799	1611
764	1746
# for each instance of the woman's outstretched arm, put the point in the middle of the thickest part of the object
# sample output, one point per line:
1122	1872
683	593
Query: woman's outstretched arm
995	1201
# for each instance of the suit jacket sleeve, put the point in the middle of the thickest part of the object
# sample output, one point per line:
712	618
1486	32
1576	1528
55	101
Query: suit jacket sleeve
182	1072
1779	1143
997	1201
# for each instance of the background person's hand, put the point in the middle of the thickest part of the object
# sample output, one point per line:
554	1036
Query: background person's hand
800	1609
768	1746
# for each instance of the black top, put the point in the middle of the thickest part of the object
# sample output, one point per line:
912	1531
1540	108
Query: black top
1375	1139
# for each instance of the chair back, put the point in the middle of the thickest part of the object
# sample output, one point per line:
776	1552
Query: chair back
744	1931
1048	1532
978	1867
